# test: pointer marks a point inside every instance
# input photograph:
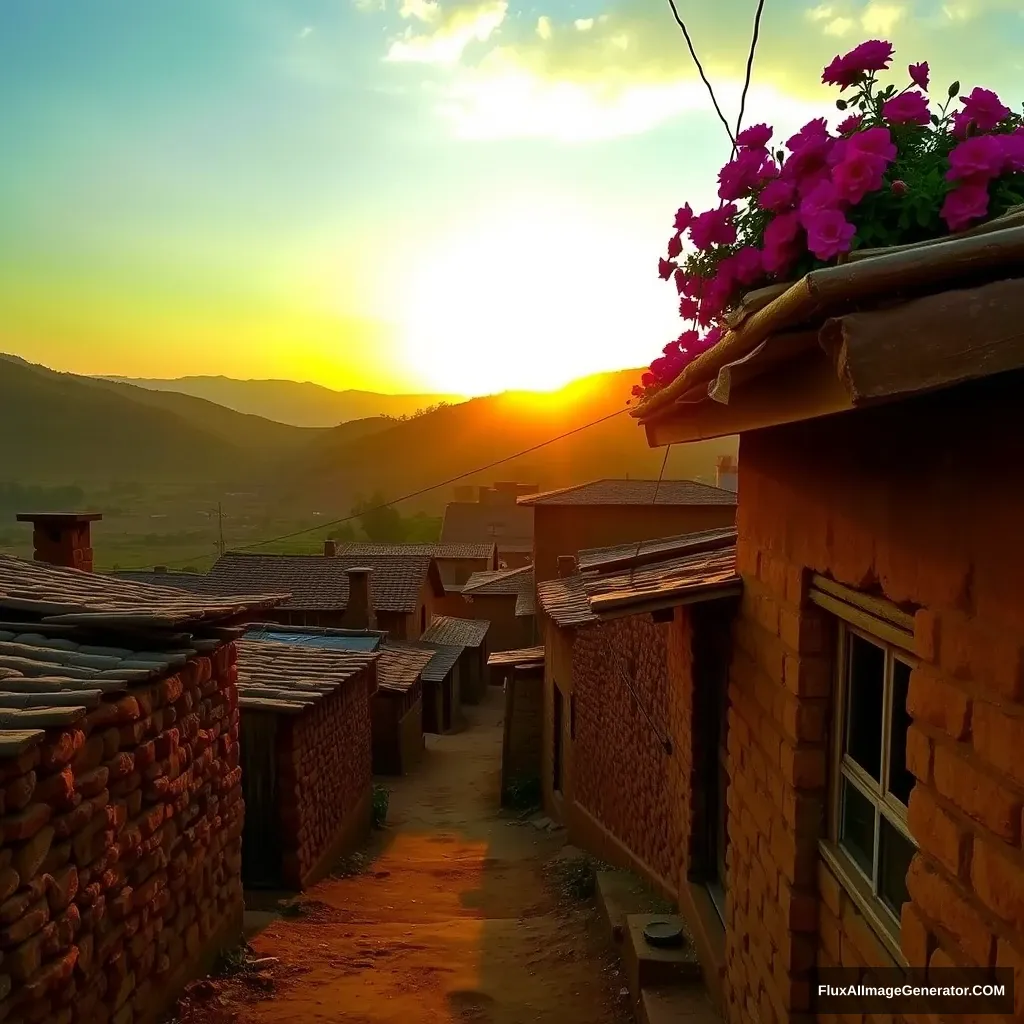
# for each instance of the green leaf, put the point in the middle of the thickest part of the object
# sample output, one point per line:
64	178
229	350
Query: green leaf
841	104
953	89
935	119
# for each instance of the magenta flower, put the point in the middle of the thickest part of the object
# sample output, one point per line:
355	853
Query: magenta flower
907	108
714	227
688	308
688	341
873	55
823	198
741	175
919	74
780	246
980	156
850	125
757	136
648	380
860	163
744	265
684	215
810	149
685	284
813	134
877	141
665	268
966	203
1013	151
984	110
829	233
675	246
777	195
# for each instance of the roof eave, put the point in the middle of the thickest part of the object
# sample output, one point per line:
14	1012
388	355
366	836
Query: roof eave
605	611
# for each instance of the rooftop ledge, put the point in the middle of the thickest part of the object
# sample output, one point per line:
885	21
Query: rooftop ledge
886	325
58	518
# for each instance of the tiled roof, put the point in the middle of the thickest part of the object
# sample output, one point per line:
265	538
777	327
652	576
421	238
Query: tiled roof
504	582
446	629
56	594
524	656
289	678
48	679
508	526
193	582
565	600
400	668
526	601
634	492
319	582
443	551
649	550
706	571
443	657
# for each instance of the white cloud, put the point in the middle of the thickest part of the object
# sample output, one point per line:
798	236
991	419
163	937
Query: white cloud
306	32
880	18
544	27
369	6
820	13
838	26
453	29
584	24
426	11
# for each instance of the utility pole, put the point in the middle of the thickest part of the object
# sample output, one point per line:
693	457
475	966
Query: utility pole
220	529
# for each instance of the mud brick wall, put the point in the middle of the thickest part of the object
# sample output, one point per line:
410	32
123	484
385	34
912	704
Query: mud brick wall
397	724
121	852
918	502
524	727
623	777
324	780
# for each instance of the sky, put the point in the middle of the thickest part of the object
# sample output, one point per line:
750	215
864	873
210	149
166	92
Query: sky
400	195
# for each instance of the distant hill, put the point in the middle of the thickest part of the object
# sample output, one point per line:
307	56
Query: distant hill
292	402
409	456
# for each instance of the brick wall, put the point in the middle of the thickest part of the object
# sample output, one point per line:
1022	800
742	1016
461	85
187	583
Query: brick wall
397	727
121	852
324	781
524	724
914	502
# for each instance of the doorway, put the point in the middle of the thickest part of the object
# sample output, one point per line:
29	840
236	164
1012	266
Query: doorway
717	775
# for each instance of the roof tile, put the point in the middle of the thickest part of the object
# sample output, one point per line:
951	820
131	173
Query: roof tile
400	668
446	629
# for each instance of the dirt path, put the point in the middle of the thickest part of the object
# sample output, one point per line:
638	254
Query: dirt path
453	921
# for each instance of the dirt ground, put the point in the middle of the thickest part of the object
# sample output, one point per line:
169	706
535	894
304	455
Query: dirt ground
453	918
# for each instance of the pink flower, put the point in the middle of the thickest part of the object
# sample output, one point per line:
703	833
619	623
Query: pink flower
810	149
665	268
812	134
757	136
744	265
966	203
648	380
919	75
877	141
873	55
984	109
713	337
740	175
979	156
780	248
637	391
675	246
823	198
684	215
688	341
850	125
1013	150
777	195
714	227
907	108
829	233
860	163
688	308
899	188
687	284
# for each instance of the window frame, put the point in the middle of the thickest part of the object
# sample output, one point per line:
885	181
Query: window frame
896	645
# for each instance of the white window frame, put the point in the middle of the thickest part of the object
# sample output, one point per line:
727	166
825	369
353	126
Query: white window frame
893	637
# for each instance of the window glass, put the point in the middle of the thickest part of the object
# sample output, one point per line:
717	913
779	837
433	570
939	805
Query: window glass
901	781
864	701
857	827
895	853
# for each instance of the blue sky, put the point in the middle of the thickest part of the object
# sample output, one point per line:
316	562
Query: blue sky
462	196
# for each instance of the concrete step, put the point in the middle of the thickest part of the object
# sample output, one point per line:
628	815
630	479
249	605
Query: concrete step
620	894
675	1006
648	966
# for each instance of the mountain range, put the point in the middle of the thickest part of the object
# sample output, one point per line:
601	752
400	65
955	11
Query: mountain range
61	428
298	403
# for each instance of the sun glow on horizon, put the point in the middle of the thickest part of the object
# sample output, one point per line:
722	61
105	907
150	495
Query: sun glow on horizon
528	301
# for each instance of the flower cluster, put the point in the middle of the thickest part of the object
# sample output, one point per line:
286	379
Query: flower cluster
898	169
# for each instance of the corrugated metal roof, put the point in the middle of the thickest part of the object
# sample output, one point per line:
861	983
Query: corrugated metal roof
288	678
446	629
320	583
634	492
56	594
325	641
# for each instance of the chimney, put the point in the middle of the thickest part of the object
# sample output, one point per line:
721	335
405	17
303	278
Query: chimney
566	565
330	548
359	611
727	473
62	538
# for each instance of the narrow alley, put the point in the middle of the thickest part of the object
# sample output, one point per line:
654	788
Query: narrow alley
452	917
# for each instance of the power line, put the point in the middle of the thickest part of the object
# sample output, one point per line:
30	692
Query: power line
750	67
405	497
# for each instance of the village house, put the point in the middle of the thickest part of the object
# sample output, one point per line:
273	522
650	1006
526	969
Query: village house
506	599
636	646
876	686
521	673
606	512
441	678
120	790
398	710
455	562
305	754
489	515
470	636
398	591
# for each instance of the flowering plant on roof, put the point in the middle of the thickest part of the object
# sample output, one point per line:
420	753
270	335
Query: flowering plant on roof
900	168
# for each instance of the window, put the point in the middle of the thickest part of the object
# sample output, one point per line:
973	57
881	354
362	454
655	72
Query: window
872	783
